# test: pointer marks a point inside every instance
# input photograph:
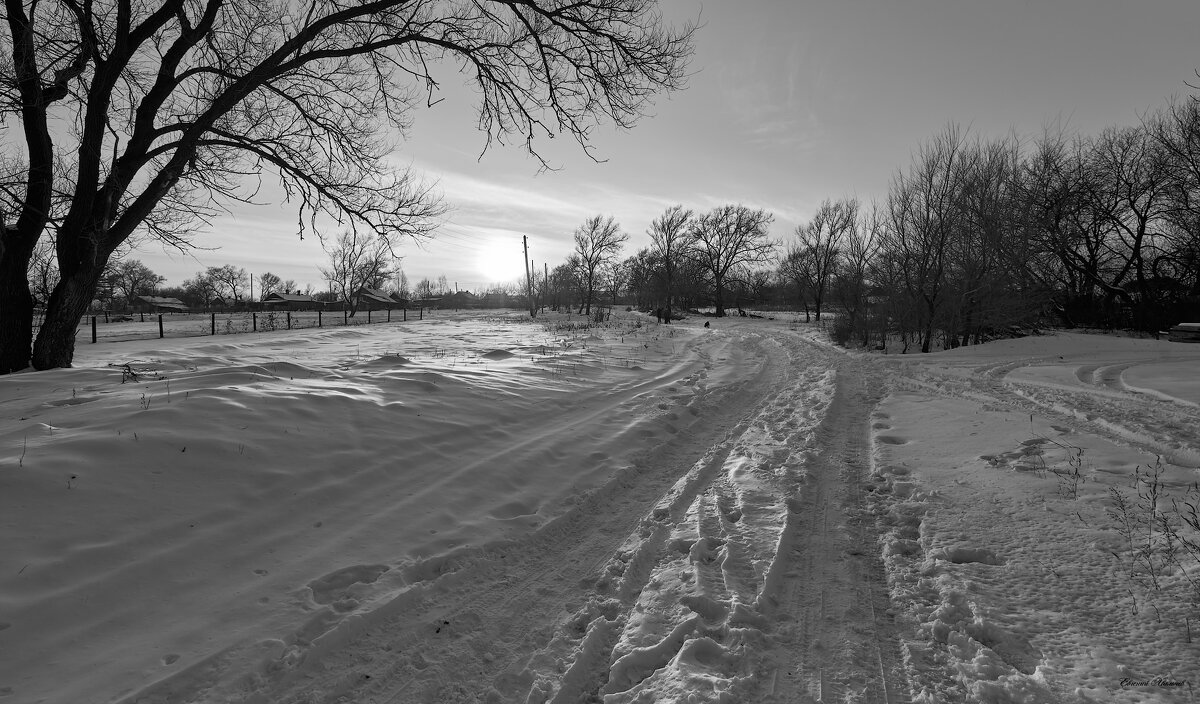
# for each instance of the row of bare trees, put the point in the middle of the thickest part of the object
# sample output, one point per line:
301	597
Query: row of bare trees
693	260
976	238
980	236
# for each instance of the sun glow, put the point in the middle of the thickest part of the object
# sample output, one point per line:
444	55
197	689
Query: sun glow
499	260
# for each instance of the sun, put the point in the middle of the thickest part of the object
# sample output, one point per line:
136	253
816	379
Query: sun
499	260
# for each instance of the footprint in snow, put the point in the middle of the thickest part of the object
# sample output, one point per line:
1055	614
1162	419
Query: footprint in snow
512	509
327	589
961	555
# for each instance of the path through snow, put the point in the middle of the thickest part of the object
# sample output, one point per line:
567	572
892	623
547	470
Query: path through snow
483	509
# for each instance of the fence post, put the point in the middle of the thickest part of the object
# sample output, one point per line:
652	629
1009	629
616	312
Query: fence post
143	314
406	315
345	317
422	313
93	329
389	315
160	326
319	318
289	317
214	323
254	321
368	316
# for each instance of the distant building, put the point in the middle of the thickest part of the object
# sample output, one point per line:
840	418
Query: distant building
290	301
158	304
375	299
459	299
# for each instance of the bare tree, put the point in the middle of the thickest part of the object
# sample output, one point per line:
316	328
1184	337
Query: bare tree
131	278
564	283
728	237
176	108
669	235
402	287
269	283
43	271
229	281
1176	128
852	282
357	259
598	242
922	220
795	269
202	288
821	240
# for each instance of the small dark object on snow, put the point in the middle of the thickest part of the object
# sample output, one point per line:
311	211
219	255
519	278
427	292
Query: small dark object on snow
705	323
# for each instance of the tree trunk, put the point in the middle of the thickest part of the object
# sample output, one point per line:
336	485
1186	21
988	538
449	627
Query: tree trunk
55	343
16	313
719	301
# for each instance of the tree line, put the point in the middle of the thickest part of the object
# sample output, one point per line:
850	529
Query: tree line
977	238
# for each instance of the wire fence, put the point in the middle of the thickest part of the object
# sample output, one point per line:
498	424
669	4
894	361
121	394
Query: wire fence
117	327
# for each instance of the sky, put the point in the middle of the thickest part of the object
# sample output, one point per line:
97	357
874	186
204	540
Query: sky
788	103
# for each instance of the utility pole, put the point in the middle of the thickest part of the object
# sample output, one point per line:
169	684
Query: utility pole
528	278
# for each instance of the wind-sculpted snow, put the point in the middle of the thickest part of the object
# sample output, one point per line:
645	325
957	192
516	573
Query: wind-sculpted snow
474	508
996	473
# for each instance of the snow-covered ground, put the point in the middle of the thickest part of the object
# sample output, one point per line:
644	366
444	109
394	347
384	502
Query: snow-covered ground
477	507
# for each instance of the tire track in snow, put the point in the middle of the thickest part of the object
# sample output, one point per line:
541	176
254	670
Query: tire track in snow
828	580
759	569
1138	420
538	616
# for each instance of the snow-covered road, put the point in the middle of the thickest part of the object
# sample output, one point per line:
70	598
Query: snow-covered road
477	508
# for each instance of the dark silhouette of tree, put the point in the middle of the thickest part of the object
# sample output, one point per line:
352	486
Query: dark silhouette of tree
175	109
229	281
821	241
598	242
202	290
795	270
131	278
357	259
269	283
669	235
726	238
922	221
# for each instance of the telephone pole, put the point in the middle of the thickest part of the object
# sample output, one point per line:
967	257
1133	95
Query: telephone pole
528	278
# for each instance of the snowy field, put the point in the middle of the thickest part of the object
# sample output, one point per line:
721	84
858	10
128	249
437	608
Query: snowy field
482	508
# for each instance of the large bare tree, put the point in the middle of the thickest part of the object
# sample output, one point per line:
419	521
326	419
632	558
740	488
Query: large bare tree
821	241
726	238
357	260
668	233
598	241
132	278
172	110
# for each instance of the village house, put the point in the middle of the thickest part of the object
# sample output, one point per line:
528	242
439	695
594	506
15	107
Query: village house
290	301
157	304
